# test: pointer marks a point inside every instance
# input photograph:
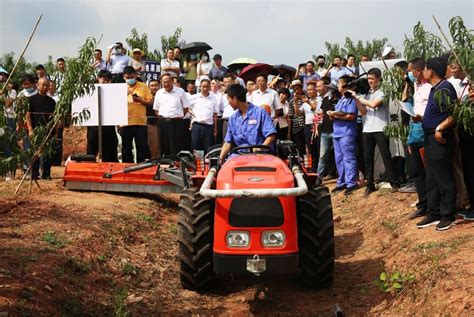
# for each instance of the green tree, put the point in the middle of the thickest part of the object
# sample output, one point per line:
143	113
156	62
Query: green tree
8	61
171	41
78	80
372	49
141	41
423	44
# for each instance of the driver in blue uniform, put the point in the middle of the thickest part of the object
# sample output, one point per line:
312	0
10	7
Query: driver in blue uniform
249	125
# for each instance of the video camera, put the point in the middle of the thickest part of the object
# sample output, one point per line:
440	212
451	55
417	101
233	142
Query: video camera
360	85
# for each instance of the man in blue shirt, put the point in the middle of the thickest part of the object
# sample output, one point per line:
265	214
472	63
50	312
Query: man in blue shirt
250	125
439	148
344	138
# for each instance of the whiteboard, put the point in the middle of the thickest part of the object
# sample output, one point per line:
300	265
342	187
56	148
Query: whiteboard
114	105
365	66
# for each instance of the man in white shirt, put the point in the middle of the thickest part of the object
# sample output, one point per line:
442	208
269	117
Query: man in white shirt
99	63
58	75
266	97
169	65
227	110
376	117
204	108
421	94
117	60
321	68
171	105
309	107
459	81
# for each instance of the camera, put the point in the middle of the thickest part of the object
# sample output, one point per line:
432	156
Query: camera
360	85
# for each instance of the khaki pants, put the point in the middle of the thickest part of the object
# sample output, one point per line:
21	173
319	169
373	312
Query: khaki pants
153	141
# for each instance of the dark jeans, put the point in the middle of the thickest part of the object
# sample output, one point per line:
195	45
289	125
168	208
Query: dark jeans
11	124
46	163
370	140
225	123
172	135
282	133
360	149
440	182
58	148
467	156
202	136
109	143
418	175
139	133
298	139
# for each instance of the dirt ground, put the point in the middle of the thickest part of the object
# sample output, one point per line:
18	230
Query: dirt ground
97	254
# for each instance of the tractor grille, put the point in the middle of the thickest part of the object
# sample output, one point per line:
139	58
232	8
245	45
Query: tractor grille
256	212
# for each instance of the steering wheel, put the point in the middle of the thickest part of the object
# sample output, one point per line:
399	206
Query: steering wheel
264	148
213	153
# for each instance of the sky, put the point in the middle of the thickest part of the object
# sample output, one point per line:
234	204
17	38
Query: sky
275	32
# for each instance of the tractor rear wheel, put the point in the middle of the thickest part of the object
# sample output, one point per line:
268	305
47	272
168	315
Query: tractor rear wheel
316	238
195	238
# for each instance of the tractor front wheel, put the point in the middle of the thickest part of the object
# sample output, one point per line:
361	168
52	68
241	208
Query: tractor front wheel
195	238
316	238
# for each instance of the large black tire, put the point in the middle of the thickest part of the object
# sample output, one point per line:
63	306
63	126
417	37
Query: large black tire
195	238
316	238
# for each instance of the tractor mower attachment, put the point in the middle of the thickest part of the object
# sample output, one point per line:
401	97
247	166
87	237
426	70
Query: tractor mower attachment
168	174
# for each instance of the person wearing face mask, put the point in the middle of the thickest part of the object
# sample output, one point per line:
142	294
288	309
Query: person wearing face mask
117	60
321	68
203	68
139	97
415	141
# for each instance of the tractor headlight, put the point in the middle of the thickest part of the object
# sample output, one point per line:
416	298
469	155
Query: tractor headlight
273	238
238	239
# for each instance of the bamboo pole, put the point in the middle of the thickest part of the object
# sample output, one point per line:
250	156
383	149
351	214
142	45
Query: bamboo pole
22	53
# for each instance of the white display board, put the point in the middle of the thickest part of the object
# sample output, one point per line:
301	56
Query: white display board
114	105
365	66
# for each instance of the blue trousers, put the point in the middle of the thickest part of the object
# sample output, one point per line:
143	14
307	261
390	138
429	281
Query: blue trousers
324	155
346	160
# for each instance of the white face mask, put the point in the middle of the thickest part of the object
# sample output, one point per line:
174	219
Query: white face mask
204	59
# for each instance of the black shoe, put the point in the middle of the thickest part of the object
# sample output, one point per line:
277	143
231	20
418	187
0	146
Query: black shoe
46	177
349	190
338	189
369	190
418	213
429	220
444	224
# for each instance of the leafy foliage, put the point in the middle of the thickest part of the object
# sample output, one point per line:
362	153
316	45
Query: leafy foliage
373	49
396	130
171	41
78	80
393	283
463	44
423	44
393	83
141	41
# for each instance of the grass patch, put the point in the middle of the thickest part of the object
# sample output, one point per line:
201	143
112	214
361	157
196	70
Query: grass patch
120	306
76	266
53	239
389	225
144	217
130	269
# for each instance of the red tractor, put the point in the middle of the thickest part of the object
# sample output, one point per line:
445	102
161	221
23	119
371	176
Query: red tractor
257	214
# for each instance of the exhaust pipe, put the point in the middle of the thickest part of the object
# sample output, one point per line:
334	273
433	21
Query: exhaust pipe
207	192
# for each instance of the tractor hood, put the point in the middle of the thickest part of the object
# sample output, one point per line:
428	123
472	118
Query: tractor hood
254	171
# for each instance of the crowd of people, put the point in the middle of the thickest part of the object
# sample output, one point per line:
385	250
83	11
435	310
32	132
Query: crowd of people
196	103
